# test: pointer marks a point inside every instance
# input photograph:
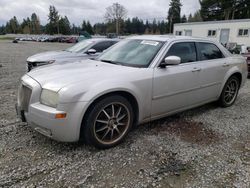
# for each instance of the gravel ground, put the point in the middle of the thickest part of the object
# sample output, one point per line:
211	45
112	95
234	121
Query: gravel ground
205	147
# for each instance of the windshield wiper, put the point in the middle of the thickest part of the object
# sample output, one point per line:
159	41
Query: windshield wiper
109	61
67	51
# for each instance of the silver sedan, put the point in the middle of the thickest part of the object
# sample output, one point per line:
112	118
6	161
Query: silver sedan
89	48
139	79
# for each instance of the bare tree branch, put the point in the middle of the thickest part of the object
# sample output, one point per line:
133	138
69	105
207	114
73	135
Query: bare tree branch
115	13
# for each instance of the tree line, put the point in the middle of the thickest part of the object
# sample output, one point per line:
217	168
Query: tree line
116	19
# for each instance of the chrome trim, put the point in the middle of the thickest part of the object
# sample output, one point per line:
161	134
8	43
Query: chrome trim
24	96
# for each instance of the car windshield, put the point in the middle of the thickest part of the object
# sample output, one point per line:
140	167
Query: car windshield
136	53
80	47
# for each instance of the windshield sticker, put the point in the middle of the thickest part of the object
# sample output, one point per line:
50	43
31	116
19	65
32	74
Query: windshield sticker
148	42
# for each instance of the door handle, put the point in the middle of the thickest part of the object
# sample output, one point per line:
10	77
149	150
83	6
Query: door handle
225	65
196	69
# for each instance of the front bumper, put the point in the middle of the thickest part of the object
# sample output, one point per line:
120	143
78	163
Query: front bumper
42	118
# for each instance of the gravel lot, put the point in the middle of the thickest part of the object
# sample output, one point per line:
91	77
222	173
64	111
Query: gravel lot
205	147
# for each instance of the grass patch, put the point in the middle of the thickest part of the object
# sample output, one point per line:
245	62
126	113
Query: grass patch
6	38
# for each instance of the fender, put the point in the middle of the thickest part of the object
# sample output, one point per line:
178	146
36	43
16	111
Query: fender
97	91
230	72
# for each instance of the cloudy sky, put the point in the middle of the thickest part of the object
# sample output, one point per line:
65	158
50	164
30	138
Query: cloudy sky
92	10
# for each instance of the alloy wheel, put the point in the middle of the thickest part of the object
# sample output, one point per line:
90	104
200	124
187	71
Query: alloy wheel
231	91
111	123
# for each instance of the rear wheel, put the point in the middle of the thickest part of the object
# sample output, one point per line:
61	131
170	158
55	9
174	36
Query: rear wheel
229	92
108	122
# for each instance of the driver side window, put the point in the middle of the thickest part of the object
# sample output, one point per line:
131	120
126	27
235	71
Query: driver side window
101	46
185	50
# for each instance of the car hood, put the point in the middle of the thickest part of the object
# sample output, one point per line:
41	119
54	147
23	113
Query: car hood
54	55
57	76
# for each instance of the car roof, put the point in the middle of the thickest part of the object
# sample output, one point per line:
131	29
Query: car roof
167	38
102	39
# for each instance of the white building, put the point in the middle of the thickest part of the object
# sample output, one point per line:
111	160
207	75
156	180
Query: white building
226	31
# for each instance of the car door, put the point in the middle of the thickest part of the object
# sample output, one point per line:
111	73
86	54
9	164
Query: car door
213	69
176	87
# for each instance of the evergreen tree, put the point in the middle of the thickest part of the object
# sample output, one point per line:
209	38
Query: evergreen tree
147	28
100	28
174	14
35	24
25	26
154	26
84	25
183	19
53	17
2	30
64	26
127	29
240	9
89	28
12	26
190	17
163	27
224	9
75	29
210	10
195	18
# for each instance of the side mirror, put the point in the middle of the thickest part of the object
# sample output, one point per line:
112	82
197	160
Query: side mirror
91	51
170	60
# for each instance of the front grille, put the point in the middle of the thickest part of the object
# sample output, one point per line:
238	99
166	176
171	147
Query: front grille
31	65
24	94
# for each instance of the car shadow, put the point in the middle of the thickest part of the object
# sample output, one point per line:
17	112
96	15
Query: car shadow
183	126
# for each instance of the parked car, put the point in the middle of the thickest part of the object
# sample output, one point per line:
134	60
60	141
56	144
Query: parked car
83	36
54	39
247	56
43	39
112	35
62	39
139	79
89	48
70	40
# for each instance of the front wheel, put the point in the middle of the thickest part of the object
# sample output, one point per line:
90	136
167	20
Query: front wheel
108	122
229	92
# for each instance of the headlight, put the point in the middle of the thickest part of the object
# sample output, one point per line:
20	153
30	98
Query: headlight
49	98
51	61
45	63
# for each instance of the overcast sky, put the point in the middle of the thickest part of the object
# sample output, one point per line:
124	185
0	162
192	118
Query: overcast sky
92	10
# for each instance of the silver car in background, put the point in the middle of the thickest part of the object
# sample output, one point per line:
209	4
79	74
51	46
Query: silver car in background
139	79
89	48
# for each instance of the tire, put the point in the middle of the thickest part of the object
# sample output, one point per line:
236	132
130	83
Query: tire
108	122
230	92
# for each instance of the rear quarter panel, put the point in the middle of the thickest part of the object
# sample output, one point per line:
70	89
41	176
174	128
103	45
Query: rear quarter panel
237	65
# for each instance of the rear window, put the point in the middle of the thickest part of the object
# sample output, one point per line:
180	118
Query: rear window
209	51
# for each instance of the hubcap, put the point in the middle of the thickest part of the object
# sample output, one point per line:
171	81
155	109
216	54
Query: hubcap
231	91
111	123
